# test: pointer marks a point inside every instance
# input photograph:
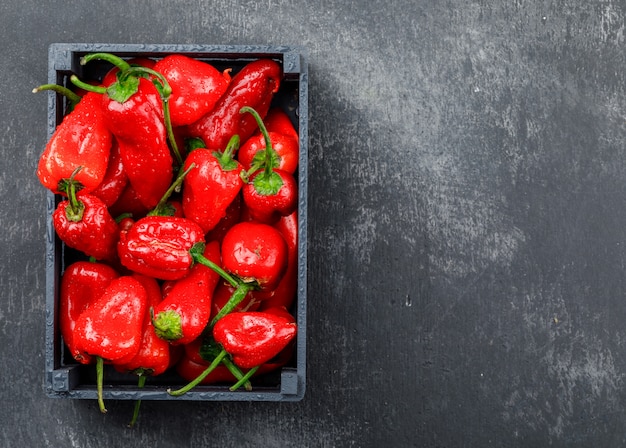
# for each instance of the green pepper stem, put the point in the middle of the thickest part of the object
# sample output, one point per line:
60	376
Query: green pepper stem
198	257
75	210
115	60
237	373
72	97
244	379
235	299
183	390
86	86
161	205
99	382
140	384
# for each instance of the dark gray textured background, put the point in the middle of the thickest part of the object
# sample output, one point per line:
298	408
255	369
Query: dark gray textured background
467	224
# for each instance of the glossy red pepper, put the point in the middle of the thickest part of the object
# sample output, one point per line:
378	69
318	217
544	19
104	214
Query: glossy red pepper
129	202
255	252
133	110
196	87
254	85
83	223
159	246
211	185
111	328
184	313
254	338
82	283
83	140
285	293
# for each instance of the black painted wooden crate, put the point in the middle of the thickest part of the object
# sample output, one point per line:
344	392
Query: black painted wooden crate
64	378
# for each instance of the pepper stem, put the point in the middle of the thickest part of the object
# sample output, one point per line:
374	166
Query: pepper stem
140	384
86	86
244	379
236	372
75	210
235	299
72	97
183	390
99	382
196	253
161	207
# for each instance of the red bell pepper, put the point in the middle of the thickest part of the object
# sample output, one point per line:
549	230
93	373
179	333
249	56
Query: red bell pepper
253	338
196	87
82	140
255	252
111	328
82	283
254	85
159	246
184	313
211	185
83	222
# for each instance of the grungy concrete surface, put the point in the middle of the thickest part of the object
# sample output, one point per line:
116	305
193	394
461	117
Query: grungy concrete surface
467	224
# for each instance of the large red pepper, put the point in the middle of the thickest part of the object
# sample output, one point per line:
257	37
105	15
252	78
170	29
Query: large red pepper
111	328
196	87
82	283
134	113
159	246
83	222
211	185
81	140
255	252
185	311
254	86
253	338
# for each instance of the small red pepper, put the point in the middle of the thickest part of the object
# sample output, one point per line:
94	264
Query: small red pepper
81	140
211	185
255	252
184	313
224	291
254	338
196	87
232	217
270	192
111	328
82	283
83	222
254	86
159	246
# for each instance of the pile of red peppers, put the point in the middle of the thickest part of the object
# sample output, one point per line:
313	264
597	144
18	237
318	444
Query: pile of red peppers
177	194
